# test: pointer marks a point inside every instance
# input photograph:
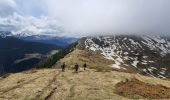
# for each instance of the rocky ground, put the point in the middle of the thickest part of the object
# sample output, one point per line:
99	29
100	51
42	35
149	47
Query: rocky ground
52	84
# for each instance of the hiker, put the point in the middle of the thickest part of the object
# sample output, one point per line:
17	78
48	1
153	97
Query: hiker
63	67
85	65
76	67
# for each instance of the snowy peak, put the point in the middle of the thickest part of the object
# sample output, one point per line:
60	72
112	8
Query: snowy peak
5	34
147	54
41	38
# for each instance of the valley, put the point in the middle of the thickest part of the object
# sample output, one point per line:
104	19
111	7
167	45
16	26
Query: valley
18	55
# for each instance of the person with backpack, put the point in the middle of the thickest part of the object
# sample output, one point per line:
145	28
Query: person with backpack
85	66
63	67
76	67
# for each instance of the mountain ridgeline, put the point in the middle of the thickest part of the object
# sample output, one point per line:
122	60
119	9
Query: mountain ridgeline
108	59
41	38
39	62
147	55
58	41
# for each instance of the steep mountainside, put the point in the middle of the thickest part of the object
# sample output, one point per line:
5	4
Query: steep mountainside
99	81
50	61
148	55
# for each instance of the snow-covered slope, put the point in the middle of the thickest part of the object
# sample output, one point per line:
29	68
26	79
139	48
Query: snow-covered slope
148	54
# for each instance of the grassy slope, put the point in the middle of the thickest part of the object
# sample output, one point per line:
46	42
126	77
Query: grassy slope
94	60
51	84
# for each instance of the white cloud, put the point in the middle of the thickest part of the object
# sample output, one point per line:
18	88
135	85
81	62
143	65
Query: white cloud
86	17
12	20
31	25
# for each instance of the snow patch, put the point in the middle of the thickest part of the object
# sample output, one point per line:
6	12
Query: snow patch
135	63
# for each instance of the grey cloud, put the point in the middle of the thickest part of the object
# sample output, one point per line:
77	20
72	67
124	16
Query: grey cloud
7	7
112	16
6	27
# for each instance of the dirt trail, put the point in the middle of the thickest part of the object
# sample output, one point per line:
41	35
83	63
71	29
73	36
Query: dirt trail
52	84
49	89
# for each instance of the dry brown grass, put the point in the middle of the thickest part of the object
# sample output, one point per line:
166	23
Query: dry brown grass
140	90
52	84
30	71
94	60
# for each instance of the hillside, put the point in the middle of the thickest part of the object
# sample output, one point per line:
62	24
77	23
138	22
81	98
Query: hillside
17	55
51	84
107	77
147	55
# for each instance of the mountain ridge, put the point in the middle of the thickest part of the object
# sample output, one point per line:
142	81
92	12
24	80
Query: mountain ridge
41	38
148	55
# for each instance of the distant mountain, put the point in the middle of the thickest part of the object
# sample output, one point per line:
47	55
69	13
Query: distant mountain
18	55
5	34
147	55
44	38
59	41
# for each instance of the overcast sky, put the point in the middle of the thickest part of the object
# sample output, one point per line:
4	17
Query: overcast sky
85	17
